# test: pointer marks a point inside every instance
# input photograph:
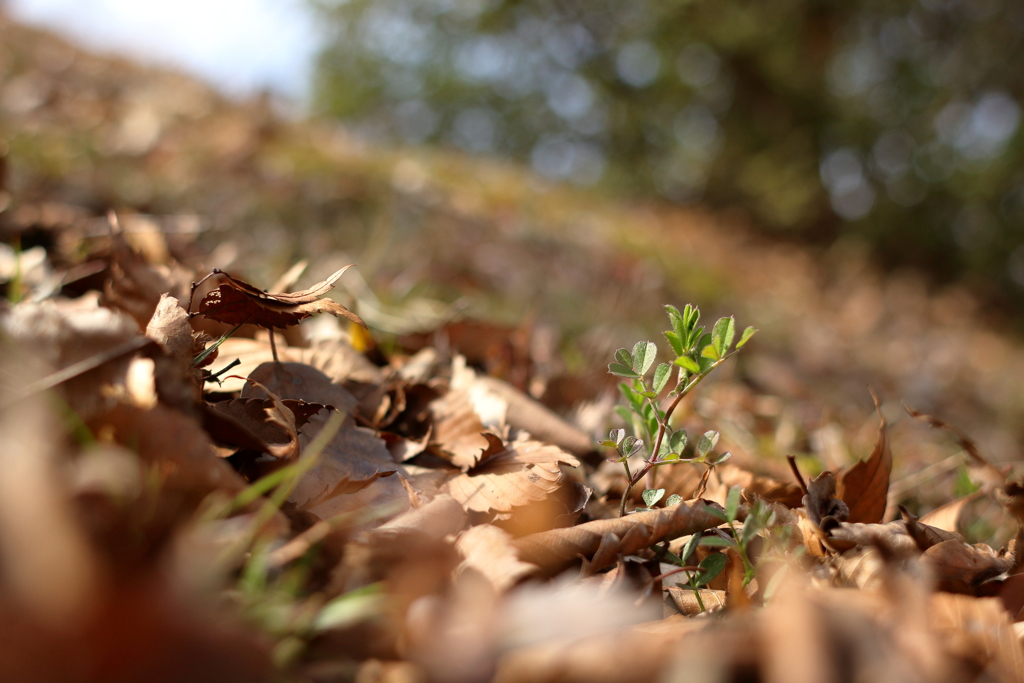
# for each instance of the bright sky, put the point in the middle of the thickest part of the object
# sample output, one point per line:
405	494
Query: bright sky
238	45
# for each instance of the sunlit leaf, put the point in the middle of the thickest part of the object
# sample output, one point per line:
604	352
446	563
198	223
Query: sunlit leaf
745	337
652	496
723	457
732	503
621	370
688	363
723	334
707	442
631	446
644	354
661	377
678	441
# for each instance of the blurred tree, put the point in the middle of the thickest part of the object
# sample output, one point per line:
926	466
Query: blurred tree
896	121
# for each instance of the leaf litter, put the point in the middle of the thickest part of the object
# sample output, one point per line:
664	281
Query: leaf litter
412	517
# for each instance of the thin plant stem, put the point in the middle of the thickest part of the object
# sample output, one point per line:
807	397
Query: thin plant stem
273	345
663	426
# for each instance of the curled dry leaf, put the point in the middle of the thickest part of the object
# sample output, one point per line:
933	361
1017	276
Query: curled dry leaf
821	501
523	472
236	302
136	285
169	327
355	468
865	486
961	568
260	423
557	549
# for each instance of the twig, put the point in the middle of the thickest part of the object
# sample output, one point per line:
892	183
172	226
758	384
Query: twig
273	345
796	472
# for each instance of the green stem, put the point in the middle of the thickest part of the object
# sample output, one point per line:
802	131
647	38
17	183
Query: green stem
696	594
663	426
748	567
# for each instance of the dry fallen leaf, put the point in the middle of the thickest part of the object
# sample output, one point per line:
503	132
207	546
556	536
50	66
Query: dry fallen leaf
354	471
961	568
489	550
260	423
169	327
557	549
821	501
865	486
947	517
236	302
978	631
335	358
523	472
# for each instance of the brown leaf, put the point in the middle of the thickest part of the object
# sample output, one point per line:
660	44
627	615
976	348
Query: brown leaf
88	347
947	517
236	302
246	423
169	327
686	602
923	534
979	631
462	416
961	568
354	469
1011	593
893	537
524	472
684	481
865	486
821	501
557	549
538	420
335	358
489	550
136	286
187	461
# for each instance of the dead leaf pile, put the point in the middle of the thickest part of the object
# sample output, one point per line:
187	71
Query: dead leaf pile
404	516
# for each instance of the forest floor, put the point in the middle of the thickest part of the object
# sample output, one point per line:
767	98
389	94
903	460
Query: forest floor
495	302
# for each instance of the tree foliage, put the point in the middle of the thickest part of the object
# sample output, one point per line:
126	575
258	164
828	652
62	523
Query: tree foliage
895	122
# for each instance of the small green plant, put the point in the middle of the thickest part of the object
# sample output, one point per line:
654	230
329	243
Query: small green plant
700	575
697	353
759	517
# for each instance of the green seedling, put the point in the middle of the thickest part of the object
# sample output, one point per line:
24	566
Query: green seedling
696	354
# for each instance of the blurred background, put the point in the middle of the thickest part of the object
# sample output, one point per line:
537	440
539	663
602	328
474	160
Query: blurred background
893	124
